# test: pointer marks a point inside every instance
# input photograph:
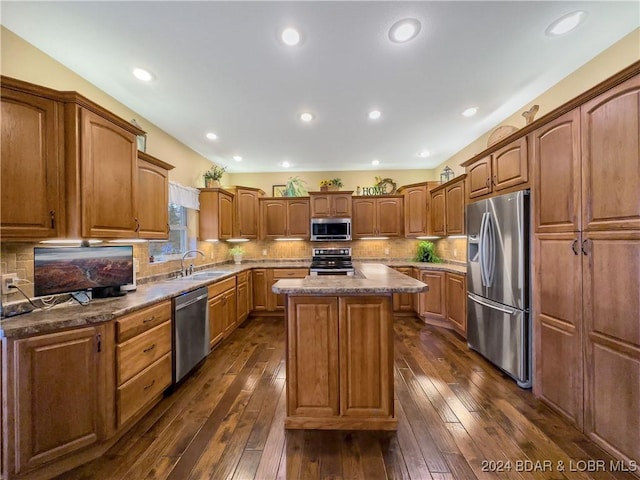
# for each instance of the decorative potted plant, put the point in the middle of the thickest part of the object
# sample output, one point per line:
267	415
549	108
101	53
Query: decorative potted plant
296	187
427	253
237	252
329	185
213	175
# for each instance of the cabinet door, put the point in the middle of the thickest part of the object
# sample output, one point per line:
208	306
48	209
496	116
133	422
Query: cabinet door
556	177
229	305
390	217
225	216
557	323
312	339
153	193
611	302
57	396
320	206
433	302
242	309
611	159
274	218
454	210
366	362
31	172
109	179
260	294
438	211
456	293
298	218
341	205
479	178
415	211
364	217
509	165
216	319
247	213
403	302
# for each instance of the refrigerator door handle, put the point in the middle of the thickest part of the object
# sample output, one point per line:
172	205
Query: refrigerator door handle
491	260
482	246
509	311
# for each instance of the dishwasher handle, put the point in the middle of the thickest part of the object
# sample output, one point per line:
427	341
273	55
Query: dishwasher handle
190	302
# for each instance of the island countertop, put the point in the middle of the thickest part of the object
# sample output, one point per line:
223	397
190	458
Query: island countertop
370	279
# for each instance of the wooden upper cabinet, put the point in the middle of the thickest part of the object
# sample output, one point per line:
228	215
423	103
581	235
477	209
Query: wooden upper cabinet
479	178
153	197
447	208
284	217
454	211
330	204
109	188
216	214
505	168
611	159
378	216
437	217
31	166
417	208
556	175
247	212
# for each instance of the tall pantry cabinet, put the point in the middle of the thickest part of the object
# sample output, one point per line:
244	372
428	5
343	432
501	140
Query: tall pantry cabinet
587	267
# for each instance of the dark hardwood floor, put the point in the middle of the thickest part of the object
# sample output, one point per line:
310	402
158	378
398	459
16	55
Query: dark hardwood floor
459	418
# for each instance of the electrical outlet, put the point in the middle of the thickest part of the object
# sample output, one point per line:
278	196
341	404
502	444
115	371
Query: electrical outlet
264	252
386	251
455	253
7	280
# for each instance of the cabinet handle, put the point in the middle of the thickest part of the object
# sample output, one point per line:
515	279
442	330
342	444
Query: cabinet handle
488	182
150	385
137	225
147	320
224	300
494	180
98	342
52	214
574	247
586	247
150	348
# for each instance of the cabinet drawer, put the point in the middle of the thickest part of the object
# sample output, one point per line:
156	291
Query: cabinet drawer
131	325
242	277
143	388
290	273
220	287
138	353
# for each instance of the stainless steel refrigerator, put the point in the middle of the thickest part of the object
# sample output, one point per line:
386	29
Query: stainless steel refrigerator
498	317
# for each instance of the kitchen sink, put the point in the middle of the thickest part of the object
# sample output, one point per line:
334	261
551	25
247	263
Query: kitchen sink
208	274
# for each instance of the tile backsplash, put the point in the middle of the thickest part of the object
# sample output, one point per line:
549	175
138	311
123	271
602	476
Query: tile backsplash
18	257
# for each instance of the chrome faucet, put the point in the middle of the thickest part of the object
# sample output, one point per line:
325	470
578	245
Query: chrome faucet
183	271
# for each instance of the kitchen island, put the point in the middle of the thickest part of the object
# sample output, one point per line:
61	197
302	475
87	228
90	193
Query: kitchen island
340	348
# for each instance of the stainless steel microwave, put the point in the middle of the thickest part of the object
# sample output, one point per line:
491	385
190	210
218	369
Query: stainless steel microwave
330	229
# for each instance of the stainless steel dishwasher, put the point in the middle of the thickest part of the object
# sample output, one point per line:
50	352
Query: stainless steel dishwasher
190	331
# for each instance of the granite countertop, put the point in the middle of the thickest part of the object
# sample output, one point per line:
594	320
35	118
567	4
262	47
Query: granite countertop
68	315
370	278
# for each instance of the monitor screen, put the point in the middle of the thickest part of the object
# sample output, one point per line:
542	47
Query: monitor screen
70	269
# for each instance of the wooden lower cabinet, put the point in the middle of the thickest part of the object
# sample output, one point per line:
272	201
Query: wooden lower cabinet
456	308
243	303
431	305
403	302
222	303
340	363
260	292
57	404
275	302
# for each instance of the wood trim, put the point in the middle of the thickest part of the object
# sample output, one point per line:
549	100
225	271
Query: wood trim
450	182
593	92
154	161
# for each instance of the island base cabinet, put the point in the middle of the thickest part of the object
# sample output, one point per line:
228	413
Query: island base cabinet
340	363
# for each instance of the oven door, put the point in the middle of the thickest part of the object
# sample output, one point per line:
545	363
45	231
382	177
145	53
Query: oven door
330	229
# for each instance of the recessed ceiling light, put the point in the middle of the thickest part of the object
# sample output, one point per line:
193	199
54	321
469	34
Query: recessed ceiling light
290	36
470	112
237	158
142	74
424	154
212	136
306	117
285	164
375	114
375	162
404	30
566	23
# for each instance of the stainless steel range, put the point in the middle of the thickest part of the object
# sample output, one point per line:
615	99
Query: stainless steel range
331	261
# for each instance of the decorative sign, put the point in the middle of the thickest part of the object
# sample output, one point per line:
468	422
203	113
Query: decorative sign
375	190
383	186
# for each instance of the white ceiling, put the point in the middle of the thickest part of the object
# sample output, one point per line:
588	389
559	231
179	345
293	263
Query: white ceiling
220	67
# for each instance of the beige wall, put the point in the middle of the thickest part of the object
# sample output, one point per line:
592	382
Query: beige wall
351	180
615	58
23	61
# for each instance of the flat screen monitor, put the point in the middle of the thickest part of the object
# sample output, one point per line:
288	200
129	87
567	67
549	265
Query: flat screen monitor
72	269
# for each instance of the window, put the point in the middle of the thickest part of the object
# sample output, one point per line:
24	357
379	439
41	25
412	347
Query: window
179	241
